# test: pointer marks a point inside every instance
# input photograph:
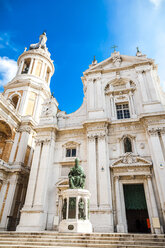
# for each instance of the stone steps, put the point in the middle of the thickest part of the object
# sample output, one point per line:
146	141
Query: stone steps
77	240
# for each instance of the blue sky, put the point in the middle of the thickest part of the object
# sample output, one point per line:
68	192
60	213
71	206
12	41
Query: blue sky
77	30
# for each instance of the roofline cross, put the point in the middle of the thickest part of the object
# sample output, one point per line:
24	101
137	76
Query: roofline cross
114	47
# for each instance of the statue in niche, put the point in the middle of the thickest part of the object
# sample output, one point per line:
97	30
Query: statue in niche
41	43
76	176
81	209
64	209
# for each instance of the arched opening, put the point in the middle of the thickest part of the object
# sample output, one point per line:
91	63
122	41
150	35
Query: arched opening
5	136
127	145
26	66
15	101
47	75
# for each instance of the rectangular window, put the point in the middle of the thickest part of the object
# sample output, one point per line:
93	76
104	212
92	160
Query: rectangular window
71	152
122	111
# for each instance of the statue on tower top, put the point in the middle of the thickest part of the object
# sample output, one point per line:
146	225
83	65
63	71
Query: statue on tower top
41	43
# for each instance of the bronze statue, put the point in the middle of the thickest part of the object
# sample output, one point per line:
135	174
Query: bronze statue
76	176
81	208
64	209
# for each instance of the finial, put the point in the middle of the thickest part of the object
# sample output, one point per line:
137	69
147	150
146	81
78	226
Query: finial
137	48
25	49
114	48
94	62
52	94
44	33
139	53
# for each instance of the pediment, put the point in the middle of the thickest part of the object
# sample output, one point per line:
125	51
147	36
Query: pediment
118	61
130	159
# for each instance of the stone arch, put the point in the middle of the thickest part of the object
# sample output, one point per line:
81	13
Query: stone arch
6	140
15	99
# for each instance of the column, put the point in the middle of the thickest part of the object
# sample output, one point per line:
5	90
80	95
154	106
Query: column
120	224
45	72
90	89
92	170
142	86
112	107
67	208
33	175
133	114
104	187
34	67
34	212
20	67
77	208
158	165
42	182
153	205
9	192
14	147
23	103
42	70
163	138
86	208
103	173
23	145
30	67
99	97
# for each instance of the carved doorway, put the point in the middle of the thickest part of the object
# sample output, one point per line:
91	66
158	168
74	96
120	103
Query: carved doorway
136	209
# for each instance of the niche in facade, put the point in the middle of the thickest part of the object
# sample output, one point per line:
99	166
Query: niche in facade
26	66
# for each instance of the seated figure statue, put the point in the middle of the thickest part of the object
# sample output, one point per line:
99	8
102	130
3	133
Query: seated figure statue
41	43
76	176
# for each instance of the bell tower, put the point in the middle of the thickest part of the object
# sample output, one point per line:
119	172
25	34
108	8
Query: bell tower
30	87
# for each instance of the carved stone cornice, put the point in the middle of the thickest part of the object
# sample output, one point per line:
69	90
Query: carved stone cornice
98	134
153	131
22	129
44	141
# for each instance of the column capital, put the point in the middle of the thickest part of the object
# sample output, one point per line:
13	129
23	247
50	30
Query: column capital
97	134
26	129
44	141
154	130
116	178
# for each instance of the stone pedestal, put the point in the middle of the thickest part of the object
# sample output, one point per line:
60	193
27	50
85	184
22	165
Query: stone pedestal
75	211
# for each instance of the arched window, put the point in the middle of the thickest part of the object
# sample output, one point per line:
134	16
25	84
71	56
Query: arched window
14	101
127	145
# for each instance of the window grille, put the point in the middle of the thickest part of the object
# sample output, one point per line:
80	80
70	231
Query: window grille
71	152
122	111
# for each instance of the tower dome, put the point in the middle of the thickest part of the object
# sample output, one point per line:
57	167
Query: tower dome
30	87
36	63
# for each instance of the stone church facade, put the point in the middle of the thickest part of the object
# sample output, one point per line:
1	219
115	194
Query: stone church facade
118	134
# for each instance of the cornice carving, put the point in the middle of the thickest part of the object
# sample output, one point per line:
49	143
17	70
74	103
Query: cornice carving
44	141
24	129
99	134
153	131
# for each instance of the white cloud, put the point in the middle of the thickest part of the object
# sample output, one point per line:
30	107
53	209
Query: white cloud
156	2
5	41
8	69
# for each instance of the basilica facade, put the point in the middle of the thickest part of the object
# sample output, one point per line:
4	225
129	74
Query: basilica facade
118	134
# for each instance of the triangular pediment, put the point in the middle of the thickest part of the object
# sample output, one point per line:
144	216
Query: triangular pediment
118	61
130	159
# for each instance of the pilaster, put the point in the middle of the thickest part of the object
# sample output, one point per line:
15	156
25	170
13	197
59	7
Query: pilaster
34	212
158	164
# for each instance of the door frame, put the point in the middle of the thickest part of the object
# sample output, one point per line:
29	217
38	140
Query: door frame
147	197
